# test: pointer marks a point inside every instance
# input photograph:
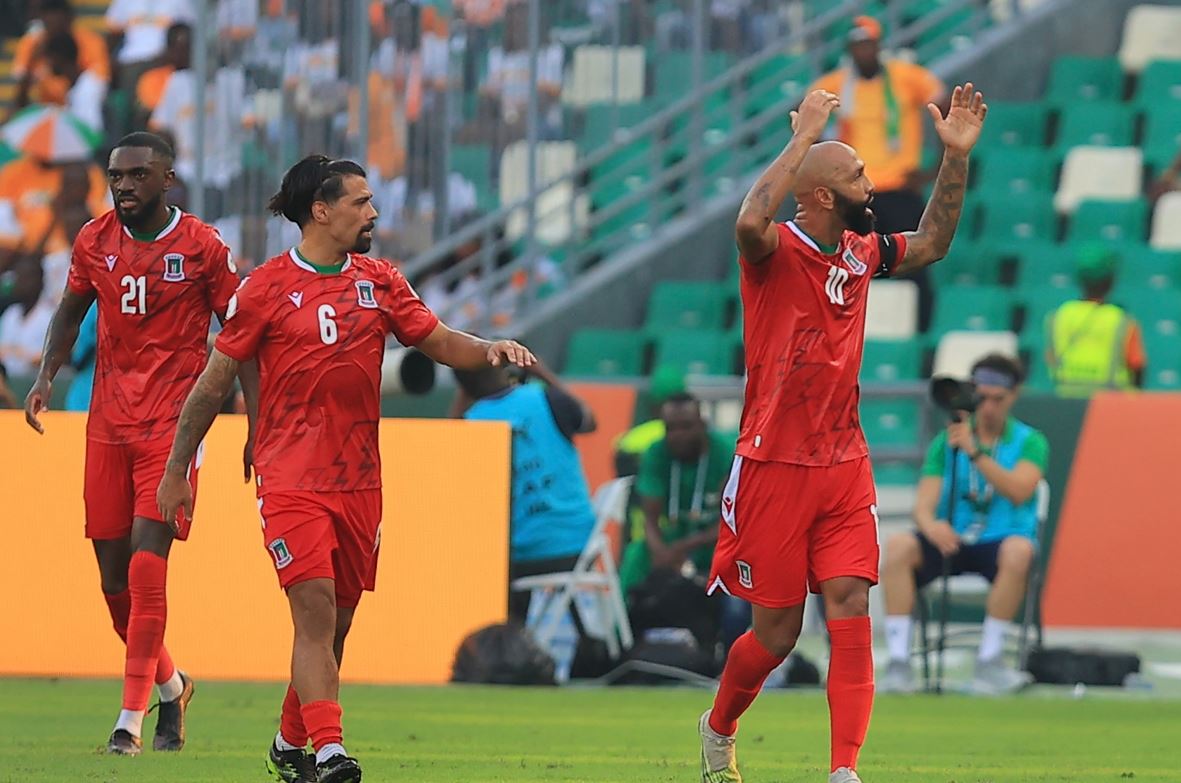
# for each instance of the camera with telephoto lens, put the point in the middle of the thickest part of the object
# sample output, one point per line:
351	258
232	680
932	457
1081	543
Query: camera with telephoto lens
952	395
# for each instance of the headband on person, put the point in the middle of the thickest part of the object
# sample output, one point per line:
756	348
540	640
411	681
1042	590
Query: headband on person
987	376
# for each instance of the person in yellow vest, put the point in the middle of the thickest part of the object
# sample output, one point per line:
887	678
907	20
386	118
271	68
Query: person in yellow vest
1092	344
881	116
664	383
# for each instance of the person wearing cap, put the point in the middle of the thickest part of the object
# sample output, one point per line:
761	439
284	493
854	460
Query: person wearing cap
881	115
989	528
665	382
1092	344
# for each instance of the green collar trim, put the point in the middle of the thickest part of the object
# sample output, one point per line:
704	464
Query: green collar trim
331	269
152	236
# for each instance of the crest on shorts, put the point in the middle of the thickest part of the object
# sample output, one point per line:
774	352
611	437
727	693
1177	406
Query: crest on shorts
280	552
365	296
744	576
174	267
854	263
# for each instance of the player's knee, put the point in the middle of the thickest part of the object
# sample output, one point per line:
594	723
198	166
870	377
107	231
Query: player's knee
1015	556
902	551
112	584
313	609
778	641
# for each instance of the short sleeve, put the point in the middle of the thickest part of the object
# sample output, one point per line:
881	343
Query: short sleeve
652	479
1135	356
891	251
221	275
407	316
1036	449
78	280
247	314
935	463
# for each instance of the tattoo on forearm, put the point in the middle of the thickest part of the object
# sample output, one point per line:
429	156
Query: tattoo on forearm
947	202
201	409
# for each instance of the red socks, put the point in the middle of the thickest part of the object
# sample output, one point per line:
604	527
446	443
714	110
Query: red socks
291	724
747	667
322	719
146	577
850	687
119	605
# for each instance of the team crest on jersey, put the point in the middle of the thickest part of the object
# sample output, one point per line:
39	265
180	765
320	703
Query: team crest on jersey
174	267
280	552
855	264
365	296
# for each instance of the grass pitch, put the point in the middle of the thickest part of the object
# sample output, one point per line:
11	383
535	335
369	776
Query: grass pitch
52	731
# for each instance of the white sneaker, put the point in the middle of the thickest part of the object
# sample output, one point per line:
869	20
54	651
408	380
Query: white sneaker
718	761
994	678
844	775
897	678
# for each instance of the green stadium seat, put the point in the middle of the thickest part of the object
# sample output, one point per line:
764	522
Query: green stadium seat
1159	84
687	305
1110	221
1164	363
674	70
1098	124
1074	79
1016	171
891	361
968	263
1037	303
1013	125
975	308
1157	310
474	161
1155	267
781	78
895	474
599	121
1019	218
1162	133
605	353
697	352
1045	264
890	423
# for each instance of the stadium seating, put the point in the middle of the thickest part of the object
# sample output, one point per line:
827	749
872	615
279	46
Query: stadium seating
1151	33
1019	218
1110	221
1074	79
1111	173
1013	125
697	352
1015	171
1045	264
606	353
686	305
891	361
958	350
892	310
1166	222
972	308
1097	123
890	422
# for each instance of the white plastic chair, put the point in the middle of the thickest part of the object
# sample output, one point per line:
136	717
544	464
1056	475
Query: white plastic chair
958	351
1166	222
592	587
893	310
1151	33
1106	173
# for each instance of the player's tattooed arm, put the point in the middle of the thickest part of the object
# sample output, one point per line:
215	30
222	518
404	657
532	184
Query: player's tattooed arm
755	231
200	409
933	238
59	342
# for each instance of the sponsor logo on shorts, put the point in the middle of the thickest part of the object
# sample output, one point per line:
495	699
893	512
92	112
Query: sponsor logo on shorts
174	267
744	576
365	296
280	552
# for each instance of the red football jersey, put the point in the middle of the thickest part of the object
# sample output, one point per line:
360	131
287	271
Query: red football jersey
319	339
804	330
155	301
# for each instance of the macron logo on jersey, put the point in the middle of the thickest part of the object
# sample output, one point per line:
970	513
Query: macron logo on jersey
111	261
296	298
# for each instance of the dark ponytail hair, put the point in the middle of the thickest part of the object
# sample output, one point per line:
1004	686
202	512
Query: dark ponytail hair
315	178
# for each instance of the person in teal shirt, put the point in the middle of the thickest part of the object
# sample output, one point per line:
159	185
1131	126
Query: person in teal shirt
82	357
988	528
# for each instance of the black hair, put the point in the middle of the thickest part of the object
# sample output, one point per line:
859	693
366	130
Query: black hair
315	178
175	29
63	45
482	383
150	141
999	362
680	398
59	6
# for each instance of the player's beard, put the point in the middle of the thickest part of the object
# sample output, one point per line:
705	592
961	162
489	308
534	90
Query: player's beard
135	219
858	217
363	242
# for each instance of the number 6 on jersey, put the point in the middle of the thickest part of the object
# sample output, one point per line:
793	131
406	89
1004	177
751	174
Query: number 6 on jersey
328	330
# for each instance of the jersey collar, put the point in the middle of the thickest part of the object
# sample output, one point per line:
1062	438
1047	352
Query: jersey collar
304	264
169	227
828	250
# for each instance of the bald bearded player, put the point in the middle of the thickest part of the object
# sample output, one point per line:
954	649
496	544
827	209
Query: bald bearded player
799	510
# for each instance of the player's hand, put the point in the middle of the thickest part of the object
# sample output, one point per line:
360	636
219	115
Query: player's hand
811	118
960	130
37	401
248	458
510	352
959	436
944	537
174	494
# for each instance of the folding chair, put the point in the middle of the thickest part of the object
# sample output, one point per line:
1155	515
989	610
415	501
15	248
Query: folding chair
970	608
592	587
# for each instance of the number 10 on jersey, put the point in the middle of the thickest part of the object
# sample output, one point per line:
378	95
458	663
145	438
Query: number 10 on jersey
835	285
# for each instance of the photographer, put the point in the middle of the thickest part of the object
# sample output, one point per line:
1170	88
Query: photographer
998	462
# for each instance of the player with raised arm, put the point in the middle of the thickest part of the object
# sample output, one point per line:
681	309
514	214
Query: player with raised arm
317	318
158	274
799	509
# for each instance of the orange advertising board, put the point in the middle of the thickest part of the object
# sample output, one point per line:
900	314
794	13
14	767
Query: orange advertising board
614	406
442	572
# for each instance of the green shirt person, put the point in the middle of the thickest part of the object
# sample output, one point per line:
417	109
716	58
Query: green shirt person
665	382
679	488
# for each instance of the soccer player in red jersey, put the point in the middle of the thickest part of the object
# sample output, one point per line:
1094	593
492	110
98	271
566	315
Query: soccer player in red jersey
317	318
158	274
799	509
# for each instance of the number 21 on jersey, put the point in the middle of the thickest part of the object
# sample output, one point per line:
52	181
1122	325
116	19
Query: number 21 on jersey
135	295
835	285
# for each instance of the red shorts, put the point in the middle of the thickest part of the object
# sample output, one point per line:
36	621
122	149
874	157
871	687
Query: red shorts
787	527
121	483
324	535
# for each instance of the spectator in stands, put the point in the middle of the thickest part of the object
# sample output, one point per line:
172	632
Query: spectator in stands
551	513
24	322
177	57
70	211
1092	344
507	85
408	204
139	30
881	116
31	67
992	531
480	13
82	358
80	92
664	383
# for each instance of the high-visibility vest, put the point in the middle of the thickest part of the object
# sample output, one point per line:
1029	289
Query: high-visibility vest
1087	343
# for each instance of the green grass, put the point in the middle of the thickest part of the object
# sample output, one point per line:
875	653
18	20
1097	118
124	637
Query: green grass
50	731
